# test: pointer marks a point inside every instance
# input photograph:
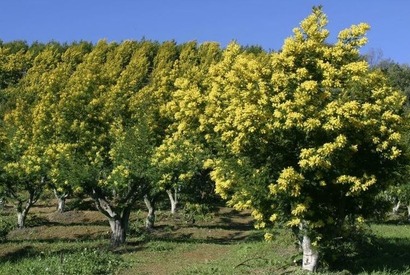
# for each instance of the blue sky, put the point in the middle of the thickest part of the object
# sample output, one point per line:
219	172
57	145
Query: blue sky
250	22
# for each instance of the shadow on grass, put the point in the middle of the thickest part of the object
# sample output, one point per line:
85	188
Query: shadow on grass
174	236
80	204
84	223
36	221
232	226
21	251
30	251
77	238
19	254
384	255
232	220
399	221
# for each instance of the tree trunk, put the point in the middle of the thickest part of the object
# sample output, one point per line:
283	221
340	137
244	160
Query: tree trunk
22	214
150	220
21	219
118	215
173	198
61	204
408	211
396	207
118	232
310	255
61	200
22	211
118	219
119	227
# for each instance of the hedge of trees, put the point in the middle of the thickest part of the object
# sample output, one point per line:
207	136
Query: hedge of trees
307	137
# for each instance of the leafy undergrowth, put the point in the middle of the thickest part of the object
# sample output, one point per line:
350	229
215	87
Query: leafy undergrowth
223	242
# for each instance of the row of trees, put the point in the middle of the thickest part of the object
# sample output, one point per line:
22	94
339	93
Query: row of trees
91	119
398	76
306	137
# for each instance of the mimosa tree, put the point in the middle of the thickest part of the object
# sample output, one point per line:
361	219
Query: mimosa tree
108	152
306	137
24	164
179	158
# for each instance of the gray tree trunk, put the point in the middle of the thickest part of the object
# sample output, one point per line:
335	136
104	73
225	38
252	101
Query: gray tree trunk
61	200
173	198
22	214
61	205
118	219
119	227
22	211
118	232
310	255
396	207
408	211
21	219
150	220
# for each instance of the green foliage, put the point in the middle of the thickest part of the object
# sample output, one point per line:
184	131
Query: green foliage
398	75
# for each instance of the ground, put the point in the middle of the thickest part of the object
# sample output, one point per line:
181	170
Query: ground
176	243
221	242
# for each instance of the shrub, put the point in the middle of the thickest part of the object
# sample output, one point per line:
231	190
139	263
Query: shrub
196	211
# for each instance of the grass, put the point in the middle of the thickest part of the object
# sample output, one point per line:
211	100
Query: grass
200	255
391	248
77	242
85	261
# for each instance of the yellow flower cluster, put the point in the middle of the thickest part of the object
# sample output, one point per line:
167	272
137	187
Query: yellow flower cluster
294	222
259	224
299	209
353	36
289	181
357	185
268	237
319	158
222	185
273	217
